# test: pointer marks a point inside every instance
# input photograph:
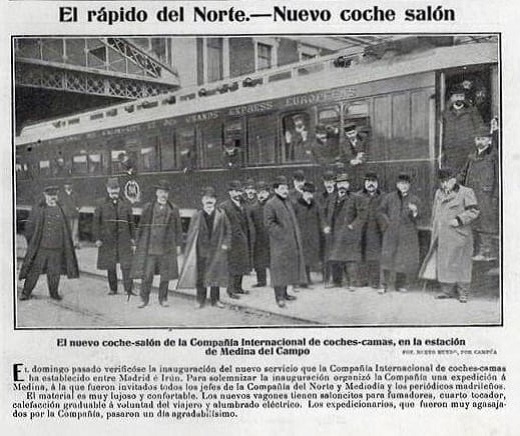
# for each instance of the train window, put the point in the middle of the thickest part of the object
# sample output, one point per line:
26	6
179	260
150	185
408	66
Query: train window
80	164
186	150
330	119
296	137
94	164
261	139
123	162
45	168
148	161
211	145
60	168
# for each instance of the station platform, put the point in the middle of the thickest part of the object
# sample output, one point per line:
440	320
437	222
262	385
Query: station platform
337	307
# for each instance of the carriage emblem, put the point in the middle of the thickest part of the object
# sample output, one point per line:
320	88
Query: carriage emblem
132	191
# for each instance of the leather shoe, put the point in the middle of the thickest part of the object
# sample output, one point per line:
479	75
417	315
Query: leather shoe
281	303
164	304
242	291
57	297
24	297
290	297
260	285
218	304
445	296
112	292
332	285
131	293
142	305
233	296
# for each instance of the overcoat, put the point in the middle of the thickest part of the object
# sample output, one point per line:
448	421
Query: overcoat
216	273
345	242
113	225
287	265
33	234
70	204
481	174
373	228
239	256
451	248
168	267
261	241
311	225
323	199
400	251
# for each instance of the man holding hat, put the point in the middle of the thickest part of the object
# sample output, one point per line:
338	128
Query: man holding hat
356	146
239	256
345	218
49	246
481	174
205	264
400	211
114	232
448	260
372	231
158	244
261	240
311	225
70	205
287	264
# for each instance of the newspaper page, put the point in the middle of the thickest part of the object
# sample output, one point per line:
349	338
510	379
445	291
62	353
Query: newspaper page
237	217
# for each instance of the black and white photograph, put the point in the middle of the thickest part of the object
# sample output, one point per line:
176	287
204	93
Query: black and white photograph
339	180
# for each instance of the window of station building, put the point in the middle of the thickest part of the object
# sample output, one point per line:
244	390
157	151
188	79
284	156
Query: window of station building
296	137
264	56
210	145
148	159
186	151
45	168
261	139
215	59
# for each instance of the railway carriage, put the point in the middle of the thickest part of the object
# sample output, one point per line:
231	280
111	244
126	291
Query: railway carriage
185	137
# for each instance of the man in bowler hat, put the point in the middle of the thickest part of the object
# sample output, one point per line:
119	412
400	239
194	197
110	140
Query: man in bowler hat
158	244
50	250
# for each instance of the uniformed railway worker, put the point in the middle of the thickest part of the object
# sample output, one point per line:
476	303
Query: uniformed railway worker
50	250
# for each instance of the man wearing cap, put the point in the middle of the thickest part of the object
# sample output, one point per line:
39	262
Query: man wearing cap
287	264
448	260
311	224
159	242
239	256
250	197
325	150
345	218
231	156
400	211
114	233
69	203
49	246
355	147
371	231
461	122
298	181
481	174
261	241
205	263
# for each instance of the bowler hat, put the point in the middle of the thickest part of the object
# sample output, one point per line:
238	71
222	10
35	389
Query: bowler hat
51	190
342	177
162	184
112	183
299	175
349	127
67	182
262	186
280	180
209	191
404	177
371	176
328	176
250	184
320	128
308	187
445	173
234	185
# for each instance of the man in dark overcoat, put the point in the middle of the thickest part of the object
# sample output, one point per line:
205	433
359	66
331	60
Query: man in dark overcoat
239	256
327	194
355	147
159	241
400	211
298	181
481	174
250	193
371	232
325	149
345	219
311	224
448	260
205	264
287	264
49	246
261	240
69	202
114	232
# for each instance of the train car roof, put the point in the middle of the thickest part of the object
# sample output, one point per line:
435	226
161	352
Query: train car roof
292	80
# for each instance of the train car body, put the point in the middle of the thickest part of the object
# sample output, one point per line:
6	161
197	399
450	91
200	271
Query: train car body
210	136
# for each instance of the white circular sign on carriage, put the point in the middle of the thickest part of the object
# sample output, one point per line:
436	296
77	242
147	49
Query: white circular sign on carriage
132	191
